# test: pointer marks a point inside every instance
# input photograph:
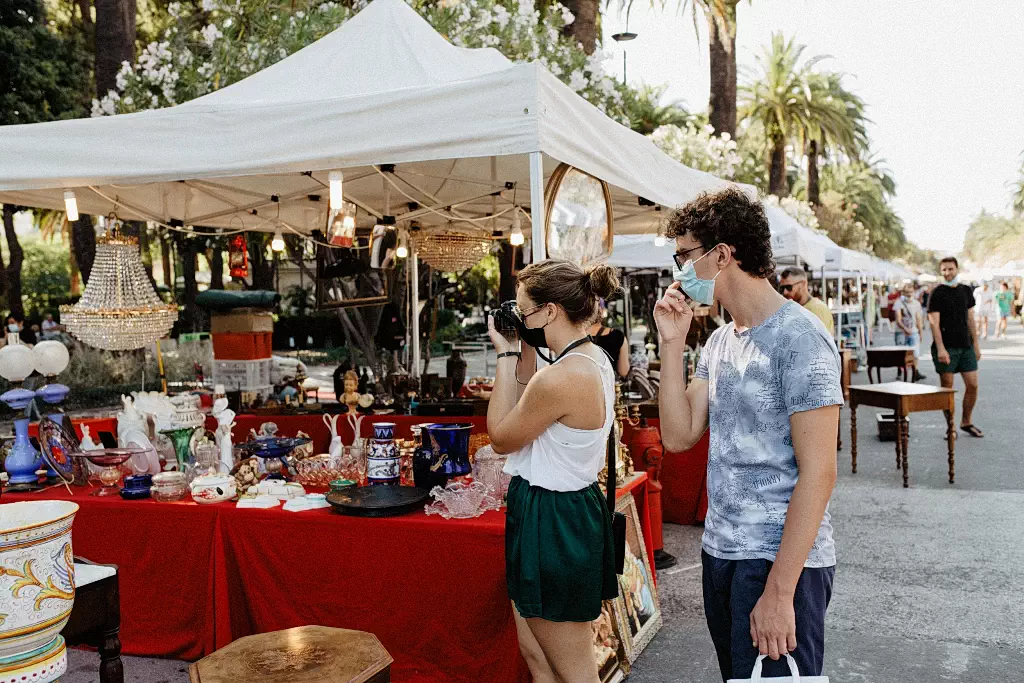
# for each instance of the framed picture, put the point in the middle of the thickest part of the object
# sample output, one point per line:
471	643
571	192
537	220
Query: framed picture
612	663
355	276
637	590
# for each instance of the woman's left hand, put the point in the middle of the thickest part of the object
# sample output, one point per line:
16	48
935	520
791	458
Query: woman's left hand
501	344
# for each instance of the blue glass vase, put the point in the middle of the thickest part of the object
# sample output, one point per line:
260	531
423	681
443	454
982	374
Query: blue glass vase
23	460
449	447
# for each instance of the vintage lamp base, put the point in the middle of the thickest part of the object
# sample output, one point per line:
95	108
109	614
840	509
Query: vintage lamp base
23	487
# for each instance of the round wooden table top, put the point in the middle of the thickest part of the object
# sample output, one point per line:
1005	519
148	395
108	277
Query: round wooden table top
297	655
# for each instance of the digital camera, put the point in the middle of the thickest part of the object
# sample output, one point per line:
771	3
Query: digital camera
506	321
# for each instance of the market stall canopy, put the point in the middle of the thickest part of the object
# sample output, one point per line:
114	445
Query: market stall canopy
793	241
384	88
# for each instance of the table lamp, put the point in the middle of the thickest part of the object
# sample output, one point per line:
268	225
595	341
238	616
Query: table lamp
16	363
51	359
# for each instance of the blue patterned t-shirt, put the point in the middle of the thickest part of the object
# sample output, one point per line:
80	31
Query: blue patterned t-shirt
757	379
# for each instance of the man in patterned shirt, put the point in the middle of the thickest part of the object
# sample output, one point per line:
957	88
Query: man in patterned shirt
768	386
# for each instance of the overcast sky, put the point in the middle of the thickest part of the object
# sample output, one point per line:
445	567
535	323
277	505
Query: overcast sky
943	81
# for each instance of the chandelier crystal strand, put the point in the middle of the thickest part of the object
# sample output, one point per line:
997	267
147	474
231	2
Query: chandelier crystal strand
119	309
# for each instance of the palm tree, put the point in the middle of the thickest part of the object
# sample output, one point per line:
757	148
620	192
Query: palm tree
115	41
587	18
791	101
867	187
846	134
721	18
1018	194
647	114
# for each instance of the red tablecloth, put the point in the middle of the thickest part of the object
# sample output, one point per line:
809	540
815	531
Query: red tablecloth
194	578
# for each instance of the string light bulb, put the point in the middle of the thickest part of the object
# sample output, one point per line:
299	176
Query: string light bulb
516	237
402	251
334	181
659	240
278	242
71	205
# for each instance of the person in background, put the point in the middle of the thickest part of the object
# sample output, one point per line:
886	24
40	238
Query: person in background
793	286
50	329
613	341
955	347
768	386
1004	305
983	300
870	312
908	318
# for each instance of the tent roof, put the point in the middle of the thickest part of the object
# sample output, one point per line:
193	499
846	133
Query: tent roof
384	88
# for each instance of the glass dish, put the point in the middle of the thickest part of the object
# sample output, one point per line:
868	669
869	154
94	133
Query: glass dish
462	501
168	487
320	470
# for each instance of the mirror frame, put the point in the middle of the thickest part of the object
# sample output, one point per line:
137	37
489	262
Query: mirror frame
324	302
551	192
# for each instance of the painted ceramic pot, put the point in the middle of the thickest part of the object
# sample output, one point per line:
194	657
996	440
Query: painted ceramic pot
449	446
213	488
383	430
37	581
382	462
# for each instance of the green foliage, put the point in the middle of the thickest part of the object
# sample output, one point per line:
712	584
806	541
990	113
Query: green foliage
867	188
41	71
836	218
647	114
993	240
45	277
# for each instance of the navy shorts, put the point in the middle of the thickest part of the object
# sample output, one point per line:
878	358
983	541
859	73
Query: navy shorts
732	589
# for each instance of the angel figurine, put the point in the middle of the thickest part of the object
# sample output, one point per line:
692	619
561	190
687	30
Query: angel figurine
225	421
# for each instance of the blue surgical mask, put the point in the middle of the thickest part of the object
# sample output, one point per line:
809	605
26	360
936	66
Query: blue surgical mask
952	283
701	291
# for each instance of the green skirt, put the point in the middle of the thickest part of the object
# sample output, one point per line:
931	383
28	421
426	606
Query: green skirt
559	552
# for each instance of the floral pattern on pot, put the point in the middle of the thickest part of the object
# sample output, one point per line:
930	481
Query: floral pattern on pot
37	575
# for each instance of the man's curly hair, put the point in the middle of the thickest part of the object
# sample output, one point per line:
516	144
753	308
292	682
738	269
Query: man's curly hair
728	217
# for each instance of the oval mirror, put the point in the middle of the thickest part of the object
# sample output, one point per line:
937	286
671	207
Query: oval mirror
579	216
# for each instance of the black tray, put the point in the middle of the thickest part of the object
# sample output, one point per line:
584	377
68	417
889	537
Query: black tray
385	500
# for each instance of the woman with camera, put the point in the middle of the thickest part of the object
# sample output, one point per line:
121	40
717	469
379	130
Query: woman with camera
554	425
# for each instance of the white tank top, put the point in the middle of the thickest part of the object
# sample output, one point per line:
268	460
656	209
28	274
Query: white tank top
564	458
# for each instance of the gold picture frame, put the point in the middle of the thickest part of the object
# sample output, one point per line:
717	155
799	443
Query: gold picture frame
638	592
569	241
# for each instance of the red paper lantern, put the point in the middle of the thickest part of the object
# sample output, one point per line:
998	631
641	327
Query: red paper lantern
238	256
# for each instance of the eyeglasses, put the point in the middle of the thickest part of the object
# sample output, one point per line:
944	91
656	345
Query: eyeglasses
680	256
523	315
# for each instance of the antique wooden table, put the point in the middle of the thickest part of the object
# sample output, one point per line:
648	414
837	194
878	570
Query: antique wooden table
903	398
879	357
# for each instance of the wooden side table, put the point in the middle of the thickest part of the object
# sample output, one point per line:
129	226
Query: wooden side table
306	654
889	357
96	616
903	398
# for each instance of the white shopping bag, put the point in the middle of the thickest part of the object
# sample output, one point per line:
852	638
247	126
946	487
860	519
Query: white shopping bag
794	676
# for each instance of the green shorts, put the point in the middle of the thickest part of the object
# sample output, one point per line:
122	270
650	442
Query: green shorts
559	552
960	360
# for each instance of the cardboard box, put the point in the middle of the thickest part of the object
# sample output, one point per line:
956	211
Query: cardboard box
242	321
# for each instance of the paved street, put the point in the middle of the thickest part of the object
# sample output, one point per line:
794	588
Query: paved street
927	588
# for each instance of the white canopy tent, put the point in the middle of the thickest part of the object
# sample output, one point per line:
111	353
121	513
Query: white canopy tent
471	134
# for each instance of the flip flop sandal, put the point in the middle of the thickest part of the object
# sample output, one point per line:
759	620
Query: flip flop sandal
972	430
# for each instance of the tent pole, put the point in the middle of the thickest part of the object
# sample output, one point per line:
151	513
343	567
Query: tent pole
627	328
537	239
414	275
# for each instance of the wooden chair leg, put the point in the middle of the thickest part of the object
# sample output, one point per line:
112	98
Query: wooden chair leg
111	667
853	436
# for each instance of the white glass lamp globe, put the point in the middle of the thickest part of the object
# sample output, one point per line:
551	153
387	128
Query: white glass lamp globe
16	362
51	357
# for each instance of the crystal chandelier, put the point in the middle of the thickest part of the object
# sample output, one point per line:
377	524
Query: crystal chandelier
452	252
119	310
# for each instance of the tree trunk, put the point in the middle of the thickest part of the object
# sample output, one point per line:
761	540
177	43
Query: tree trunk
166	261
188	253
83	241
506	280
262	269
722	49
217	266
85	8
13	270
777	184
584	26
813	190
115	41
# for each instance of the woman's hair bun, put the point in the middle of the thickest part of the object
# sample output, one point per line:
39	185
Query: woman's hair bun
603	281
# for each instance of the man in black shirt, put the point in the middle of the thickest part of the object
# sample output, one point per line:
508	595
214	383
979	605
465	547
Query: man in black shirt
955	346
